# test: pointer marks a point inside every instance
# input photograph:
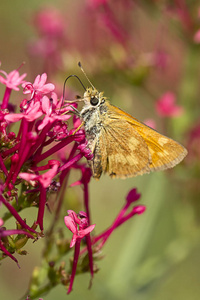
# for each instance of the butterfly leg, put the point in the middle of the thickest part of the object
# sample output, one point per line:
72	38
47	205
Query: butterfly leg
75	111
77	129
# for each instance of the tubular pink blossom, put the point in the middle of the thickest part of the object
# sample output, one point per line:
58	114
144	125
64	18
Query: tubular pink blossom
39	86
12	80
78	225
45	178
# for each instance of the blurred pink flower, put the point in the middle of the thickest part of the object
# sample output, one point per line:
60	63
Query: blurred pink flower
161	59
96	3
197	37
51	41
166	106
193	144
107	13
150	122
49	21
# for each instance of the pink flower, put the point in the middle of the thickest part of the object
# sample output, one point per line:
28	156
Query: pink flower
104	13
44	181
166	106
79	227
12	80
51	27
45	178
39	86
193	145
150	122
197	37
32	113
1	222
161	59
51	107
50	22
96	3
32	110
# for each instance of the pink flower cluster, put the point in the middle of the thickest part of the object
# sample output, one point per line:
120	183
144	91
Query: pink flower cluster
22	155
51	28
31	174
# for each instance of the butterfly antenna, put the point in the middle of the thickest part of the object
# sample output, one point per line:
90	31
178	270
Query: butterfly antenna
66	81
79	64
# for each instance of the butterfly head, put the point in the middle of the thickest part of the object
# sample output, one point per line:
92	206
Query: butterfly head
93	98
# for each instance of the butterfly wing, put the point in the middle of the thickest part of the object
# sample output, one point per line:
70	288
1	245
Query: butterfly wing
126	147
126	153
120	151
164	152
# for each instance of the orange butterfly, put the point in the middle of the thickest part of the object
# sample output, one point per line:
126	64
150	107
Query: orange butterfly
122	146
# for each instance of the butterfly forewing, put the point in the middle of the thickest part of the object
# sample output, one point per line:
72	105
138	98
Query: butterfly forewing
165	152
127	148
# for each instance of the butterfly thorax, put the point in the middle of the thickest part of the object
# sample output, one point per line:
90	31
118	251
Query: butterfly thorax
93	114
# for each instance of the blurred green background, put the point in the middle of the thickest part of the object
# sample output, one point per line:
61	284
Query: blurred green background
147	49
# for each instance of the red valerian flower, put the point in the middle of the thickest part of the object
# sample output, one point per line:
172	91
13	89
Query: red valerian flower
79	226
166	106
12	80
49	22
45	178
39	86
28	181
32	113
42	124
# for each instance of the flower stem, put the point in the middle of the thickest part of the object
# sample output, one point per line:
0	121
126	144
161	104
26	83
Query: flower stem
76	255
6	98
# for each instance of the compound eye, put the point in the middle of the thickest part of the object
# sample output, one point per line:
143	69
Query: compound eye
94	101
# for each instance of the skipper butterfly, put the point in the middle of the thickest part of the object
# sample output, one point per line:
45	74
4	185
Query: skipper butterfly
121	145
